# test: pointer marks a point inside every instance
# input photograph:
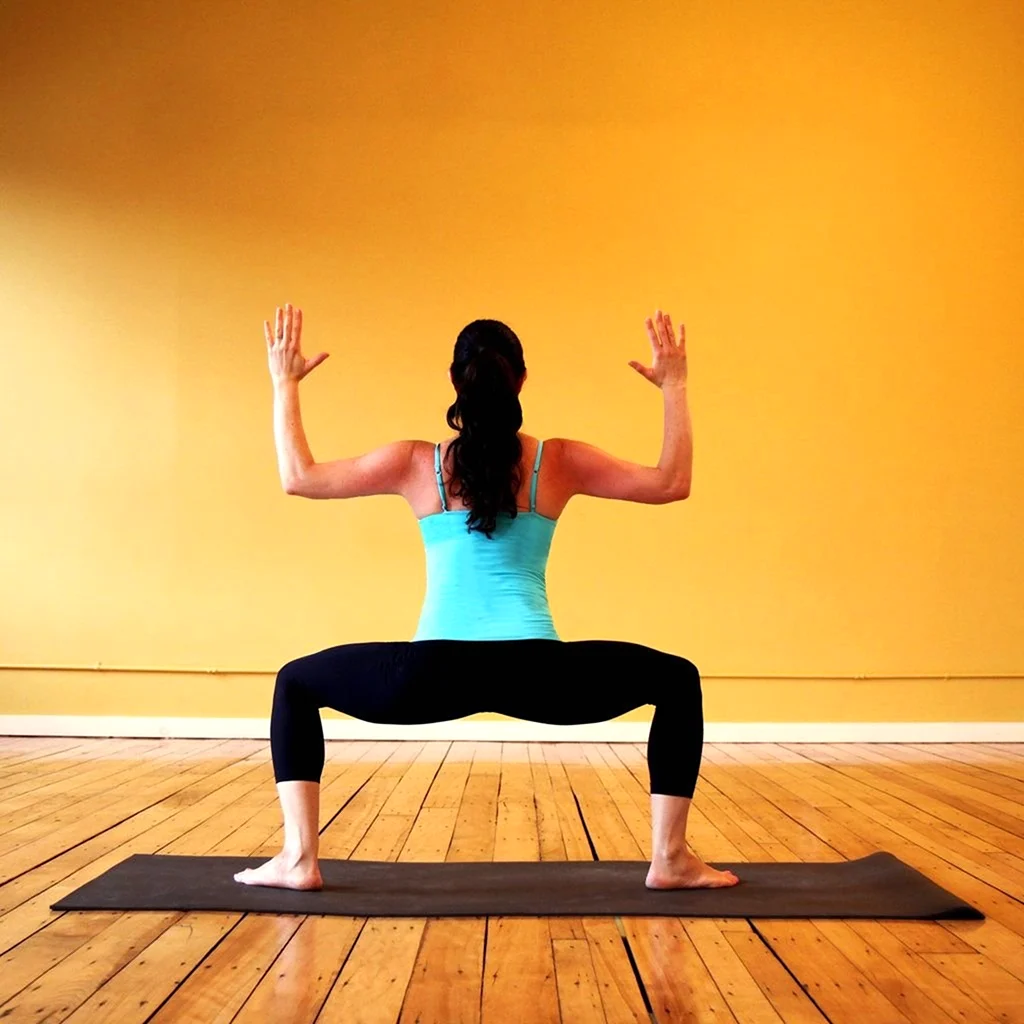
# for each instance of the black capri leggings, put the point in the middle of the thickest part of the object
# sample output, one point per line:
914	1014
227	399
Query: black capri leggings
559	682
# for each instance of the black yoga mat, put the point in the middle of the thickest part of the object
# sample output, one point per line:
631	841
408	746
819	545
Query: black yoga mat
877	886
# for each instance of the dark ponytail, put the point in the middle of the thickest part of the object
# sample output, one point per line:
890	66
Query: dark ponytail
487	369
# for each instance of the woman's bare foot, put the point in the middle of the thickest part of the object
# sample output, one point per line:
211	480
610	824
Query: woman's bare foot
284	872
687	872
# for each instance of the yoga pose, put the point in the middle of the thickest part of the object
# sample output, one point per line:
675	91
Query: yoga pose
485	639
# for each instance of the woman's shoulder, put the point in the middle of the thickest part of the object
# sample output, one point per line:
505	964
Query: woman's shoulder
528	440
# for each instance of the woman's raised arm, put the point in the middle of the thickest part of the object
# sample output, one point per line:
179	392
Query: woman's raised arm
589	470
385	470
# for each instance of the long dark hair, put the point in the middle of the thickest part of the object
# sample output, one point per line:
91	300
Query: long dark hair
487	368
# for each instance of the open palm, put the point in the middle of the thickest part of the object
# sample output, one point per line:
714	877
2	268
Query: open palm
668	355
284	350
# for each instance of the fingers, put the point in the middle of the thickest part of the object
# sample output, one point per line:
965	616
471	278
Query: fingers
315	362
662	333
644	371
659	326
659	330
287	327
653	335
670	338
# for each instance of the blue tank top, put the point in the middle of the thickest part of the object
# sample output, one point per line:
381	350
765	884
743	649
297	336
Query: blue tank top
486	588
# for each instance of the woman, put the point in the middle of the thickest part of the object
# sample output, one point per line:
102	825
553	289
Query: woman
485	639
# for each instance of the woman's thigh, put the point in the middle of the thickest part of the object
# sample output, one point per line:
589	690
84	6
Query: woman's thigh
576	681
396	682
553	681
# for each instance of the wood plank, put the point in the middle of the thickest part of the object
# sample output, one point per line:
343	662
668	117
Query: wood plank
16	751
570	822
519	967
579	997
296	985
346	830
343	776
970	773
993	939
920	832
620	837
447	976
34	772
935	801
373	982
41	952
29	898
43	808
196	784
192	841
926	936
837	986
376	973
745	998
552	843
96	815
621	997
54	995
605	825
610	970
1004	947
744	831
677	982
951	810
996	990
231	977
215	990
148	978
882	940
787	997
478	811
742	785
885	973
118	944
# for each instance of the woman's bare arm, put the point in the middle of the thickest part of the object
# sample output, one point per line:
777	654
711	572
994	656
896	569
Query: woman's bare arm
589	470
385	470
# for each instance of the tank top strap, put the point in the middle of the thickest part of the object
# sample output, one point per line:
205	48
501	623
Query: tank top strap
533	482
437	473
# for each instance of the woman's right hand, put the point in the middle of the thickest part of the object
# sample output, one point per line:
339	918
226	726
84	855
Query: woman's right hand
669	356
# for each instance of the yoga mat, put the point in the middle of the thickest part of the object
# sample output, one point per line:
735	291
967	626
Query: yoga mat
876	886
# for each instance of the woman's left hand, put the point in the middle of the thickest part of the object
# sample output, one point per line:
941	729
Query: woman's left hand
284	353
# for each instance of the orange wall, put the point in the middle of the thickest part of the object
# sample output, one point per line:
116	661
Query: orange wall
828	196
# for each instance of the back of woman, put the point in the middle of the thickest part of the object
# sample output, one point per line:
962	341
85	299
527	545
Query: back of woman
485	640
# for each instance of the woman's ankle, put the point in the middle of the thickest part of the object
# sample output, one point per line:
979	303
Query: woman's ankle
672	854
295	855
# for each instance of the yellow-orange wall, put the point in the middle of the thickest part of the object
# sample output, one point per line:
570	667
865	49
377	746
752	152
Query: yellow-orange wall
829	196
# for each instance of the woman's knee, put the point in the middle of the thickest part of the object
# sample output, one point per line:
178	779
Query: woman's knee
689	671
289	685
680	680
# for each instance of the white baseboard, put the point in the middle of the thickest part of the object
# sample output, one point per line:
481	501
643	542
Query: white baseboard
465	729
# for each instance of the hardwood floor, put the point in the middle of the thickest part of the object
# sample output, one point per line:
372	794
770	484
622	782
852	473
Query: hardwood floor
71	808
